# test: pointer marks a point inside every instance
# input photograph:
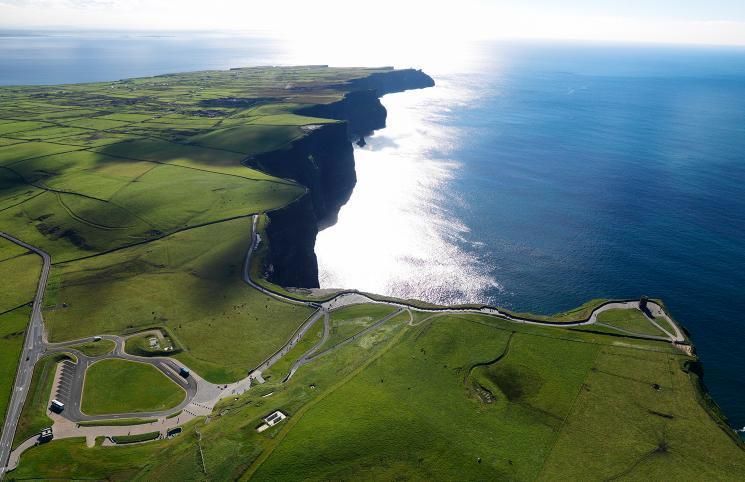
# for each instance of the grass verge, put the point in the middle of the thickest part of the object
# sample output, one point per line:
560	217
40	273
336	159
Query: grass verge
116	422
34	414
131	439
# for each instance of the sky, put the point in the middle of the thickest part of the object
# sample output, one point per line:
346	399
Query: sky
720	22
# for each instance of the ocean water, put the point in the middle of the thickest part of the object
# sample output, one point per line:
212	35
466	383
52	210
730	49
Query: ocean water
549	175
533	176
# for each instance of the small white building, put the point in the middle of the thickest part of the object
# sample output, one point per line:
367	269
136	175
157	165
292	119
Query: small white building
271	420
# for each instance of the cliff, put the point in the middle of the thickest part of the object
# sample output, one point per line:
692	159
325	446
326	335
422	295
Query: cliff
361	110
291	232
323	161
393	81
360	107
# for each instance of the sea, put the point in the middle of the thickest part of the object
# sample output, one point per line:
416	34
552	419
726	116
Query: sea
534	176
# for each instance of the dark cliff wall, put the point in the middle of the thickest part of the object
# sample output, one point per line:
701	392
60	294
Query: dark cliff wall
393	81
291	234
361	109
322	161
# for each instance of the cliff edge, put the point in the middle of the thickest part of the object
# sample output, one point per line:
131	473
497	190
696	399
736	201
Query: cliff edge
323	162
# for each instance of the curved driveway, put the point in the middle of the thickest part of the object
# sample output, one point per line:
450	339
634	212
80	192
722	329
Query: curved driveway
167	366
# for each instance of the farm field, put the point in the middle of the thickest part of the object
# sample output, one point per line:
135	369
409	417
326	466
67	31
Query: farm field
12	330
20	276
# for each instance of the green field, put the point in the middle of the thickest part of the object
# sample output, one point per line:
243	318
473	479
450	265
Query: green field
12	330
119	386
189	282
20	276
350	320
421	395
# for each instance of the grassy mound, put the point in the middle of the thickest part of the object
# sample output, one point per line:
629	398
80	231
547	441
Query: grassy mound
131	439
96	348
120	386
632	321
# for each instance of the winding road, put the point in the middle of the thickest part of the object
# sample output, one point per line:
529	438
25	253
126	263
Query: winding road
202	396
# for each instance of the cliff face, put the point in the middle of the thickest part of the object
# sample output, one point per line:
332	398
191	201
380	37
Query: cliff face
323	161
292	238
361	109
393	81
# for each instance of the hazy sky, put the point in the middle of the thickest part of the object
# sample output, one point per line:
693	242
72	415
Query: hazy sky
675	21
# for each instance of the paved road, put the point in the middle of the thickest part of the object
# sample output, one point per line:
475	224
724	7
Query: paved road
33	348
168	367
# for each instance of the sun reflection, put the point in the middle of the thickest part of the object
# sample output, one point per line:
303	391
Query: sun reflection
395	236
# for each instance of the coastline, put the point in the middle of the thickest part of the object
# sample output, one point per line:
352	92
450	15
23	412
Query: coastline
320	295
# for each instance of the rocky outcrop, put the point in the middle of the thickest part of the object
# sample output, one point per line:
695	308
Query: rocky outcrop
323	162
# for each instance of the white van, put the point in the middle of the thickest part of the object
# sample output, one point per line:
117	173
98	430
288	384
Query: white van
57	406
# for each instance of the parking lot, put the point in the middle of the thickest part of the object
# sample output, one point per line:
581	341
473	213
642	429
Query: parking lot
64	385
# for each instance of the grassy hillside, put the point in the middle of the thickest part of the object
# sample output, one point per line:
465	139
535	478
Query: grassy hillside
19	276
138	190
189	282
12	330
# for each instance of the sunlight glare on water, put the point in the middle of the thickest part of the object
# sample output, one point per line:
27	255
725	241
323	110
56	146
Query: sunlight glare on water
395	235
